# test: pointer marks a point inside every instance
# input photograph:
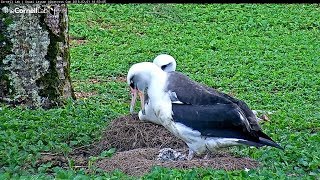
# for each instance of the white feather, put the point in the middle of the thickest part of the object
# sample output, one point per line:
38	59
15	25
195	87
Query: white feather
165	60
149	114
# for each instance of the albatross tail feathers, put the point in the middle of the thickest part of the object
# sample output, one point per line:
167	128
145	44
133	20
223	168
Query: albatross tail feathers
262	142
269	143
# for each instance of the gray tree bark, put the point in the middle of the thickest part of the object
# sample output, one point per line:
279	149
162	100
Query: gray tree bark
34	55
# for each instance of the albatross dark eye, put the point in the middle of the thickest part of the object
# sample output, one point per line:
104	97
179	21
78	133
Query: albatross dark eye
132	84
164	66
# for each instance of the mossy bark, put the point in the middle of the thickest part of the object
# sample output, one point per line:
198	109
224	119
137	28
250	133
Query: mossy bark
34	57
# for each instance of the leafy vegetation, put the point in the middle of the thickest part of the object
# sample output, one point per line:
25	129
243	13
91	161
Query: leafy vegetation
265	54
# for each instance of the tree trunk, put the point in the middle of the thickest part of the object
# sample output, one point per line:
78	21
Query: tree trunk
34	55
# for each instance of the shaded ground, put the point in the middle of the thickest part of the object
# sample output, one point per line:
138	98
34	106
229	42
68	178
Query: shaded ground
137	144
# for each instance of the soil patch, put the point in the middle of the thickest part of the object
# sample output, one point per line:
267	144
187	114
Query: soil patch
139	161
137	146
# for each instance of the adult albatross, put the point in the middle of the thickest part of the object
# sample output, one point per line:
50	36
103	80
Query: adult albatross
202	119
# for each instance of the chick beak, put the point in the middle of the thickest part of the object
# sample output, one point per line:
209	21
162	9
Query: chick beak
134	93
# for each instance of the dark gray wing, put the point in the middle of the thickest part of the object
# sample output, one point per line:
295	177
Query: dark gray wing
208	106
242	105
191	92
217	120
220	120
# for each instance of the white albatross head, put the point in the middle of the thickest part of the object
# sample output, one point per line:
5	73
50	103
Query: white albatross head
166	62
139	78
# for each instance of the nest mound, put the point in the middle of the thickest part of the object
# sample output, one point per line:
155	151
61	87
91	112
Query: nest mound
137	145
139	161
128	132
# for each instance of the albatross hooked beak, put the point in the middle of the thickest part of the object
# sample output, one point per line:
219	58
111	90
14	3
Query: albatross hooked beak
134	93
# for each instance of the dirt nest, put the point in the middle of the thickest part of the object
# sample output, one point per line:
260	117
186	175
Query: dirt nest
137	145
128	132
139	161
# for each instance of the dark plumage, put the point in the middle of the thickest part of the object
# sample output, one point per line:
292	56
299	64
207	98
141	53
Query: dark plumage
212	113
